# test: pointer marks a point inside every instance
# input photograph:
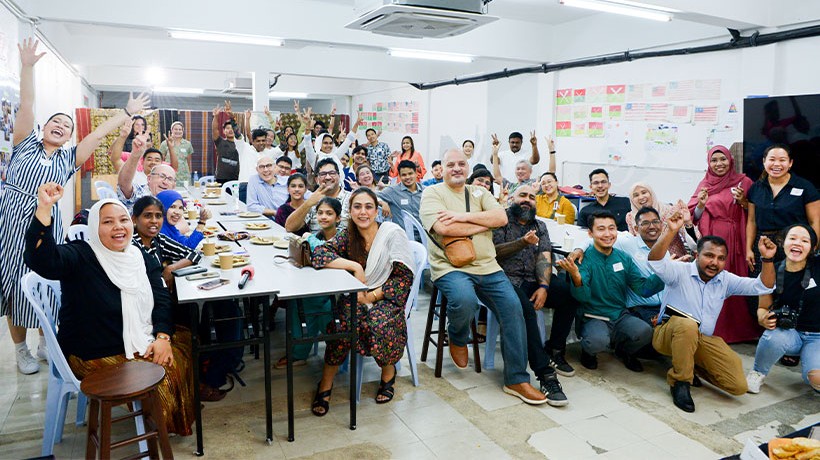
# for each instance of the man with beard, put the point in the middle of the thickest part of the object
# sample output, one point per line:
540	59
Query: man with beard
698	289
327	176
601	285
523	250
619	206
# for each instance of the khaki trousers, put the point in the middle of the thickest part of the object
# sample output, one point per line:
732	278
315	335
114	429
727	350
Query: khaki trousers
715	361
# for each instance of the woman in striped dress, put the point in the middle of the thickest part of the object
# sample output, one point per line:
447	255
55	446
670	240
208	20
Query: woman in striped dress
34	162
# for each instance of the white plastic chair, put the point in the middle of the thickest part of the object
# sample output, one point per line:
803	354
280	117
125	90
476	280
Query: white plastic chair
78	232
412	226
103	193
231	188
61	381
206	179
420	256
103	184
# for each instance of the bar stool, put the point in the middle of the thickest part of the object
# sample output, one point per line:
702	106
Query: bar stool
438	341
125	383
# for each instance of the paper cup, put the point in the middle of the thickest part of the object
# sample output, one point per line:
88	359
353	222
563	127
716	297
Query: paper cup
569	242
562	219
193	214
226	261
209	248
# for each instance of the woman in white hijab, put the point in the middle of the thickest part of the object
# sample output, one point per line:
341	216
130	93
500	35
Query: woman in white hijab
380	257
323	146
128	314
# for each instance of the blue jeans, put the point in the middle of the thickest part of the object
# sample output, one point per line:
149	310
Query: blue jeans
778	342
463	291
627	333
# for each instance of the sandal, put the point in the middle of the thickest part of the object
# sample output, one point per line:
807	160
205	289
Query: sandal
319	401
386	389
283	363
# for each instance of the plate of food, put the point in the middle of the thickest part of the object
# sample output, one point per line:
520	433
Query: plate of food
249	215
281	244
210	230
257	225
238	261
213	185
220	248
233	236
218	202
794	448
263	240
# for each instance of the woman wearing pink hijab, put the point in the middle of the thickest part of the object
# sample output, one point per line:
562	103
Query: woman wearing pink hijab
718	207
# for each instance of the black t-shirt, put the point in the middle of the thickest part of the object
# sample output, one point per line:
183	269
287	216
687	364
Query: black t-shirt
227	164
618	205
787	208
809	319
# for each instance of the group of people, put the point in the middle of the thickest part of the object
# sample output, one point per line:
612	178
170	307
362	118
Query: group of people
656	278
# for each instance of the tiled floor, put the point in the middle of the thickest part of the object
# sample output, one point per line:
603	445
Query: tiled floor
613	414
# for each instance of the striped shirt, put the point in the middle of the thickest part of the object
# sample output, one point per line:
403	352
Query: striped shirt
166	250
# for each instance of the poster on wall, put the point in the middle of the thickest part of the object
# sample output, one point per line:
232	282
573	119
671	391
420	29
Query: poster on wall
661	138
618	138
391	116
9	104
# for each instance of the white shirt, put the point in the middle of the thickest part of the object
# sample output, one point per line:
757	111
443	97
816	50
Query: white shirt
248	156
140	178
508	161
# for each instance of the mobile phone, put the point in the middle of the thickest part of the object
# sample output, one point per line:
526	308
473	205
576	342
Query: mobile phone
189	270
213	284
202	276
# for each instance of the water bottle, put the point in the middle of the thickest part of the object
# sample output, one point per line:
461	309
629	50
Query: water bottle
196	178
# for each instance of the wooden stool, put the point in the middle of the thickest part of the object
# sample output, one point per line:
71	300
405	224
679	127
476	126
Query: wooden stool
125	383
438	341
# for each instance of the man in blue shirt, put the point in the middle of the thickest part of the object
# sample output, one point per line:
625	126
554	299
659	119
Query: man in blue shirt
404	196
438	172
698	289
600	285
268	189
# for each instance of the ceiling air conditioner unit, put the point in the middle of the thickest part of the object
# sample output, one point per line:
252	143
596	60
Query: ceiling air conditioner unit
421	18
238	86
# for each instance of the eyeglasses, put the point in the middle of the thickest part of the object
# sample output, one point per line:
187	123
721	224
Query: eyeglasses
327	174
599	182
164	177
647	223
268	166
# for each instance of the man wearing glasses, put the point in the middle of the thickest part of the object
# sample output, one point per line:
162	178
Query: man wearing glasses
268	188
327	176
162	177
619	206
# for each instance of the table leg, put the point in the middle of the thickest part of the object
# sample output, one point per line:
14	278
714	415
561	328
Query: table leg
268	383
289	357
354	336
194	314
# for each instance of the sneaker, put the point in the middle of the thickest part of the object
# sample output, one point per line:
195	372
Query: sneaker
559	362
42	352
551	388
26	363
588	360
754	380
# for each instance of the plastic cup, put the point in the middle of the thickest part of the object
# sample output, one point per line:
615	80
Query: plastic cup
226	261
562	219
569	242
209	248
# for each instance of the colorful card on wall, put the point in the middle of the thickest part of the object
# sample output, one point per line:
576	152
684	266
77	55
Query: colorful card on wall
614	111
579	130
596	94
637	92
579	95
681	90
563	97
596	112
680	114
615	93
706	114
579	112
596	129
659	91
563	113
563	129
661	138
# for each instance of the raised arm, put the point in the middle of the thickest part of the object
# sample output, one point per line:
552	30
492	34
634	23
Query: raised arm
673	226
172	151
125	178
90	143
24	119
551	147
497	177
813	213
115	152
536	157
332	124
216	132
296	219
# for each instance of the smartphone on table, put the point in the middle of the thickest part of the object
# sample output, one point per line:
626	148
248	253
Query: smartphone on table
213	284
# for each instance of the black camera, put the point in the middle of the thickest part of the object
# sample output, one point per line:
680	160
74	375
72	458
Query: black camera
786	317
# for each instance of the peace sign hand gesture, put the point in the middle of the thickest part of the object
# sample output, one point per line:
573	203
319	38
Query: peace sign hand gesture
533	138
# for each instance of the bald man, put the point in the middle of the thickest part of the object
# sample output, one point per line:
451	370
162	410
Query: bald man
161	177
444	213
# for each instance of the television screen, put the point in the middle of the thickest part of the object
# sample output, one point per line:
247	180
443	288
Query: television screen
790	120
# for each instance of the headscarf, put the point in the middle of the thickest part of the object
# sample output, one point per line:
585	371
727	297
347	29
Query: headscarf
126	270
389	245
714	183
169	197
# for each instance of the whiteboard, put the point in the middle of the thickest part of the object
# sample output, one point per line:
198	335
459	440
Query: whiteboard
670	184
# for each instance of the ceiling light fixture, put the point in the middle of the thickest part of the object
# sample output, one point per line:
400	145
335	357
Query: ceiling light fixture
621	7
431	55
287	95
154	75
177	90
226	38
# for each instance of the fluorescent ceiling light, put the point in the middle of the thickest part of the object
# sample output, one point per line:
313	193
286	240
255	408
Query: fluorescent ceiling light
154	75
178	90
620	7
226	38
431	55
287	95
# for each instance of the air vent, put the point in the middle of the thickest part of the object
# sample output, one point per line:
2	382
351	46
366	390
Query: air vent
419	22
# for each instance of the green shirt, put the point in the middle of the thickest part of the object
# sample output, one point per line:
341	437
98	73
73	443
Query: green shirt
606	280
440	197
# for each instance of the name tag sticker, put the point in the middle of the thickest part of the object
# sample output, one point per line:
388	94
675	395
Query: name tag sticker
811	284
617	267
797	192
404	202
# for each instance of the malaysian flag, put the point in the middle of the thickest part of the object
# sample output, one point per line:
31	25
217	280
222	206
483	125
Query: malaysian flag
656	112
706	114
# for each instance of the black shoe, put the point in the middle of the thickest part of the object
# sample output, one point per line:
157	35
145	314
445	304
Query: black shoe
589	361
696	382
681	396
558	361
552	390
630	361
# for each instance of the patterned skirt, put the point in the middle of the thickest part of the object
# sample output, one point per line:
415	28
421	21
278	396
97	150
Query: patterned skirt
176	393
